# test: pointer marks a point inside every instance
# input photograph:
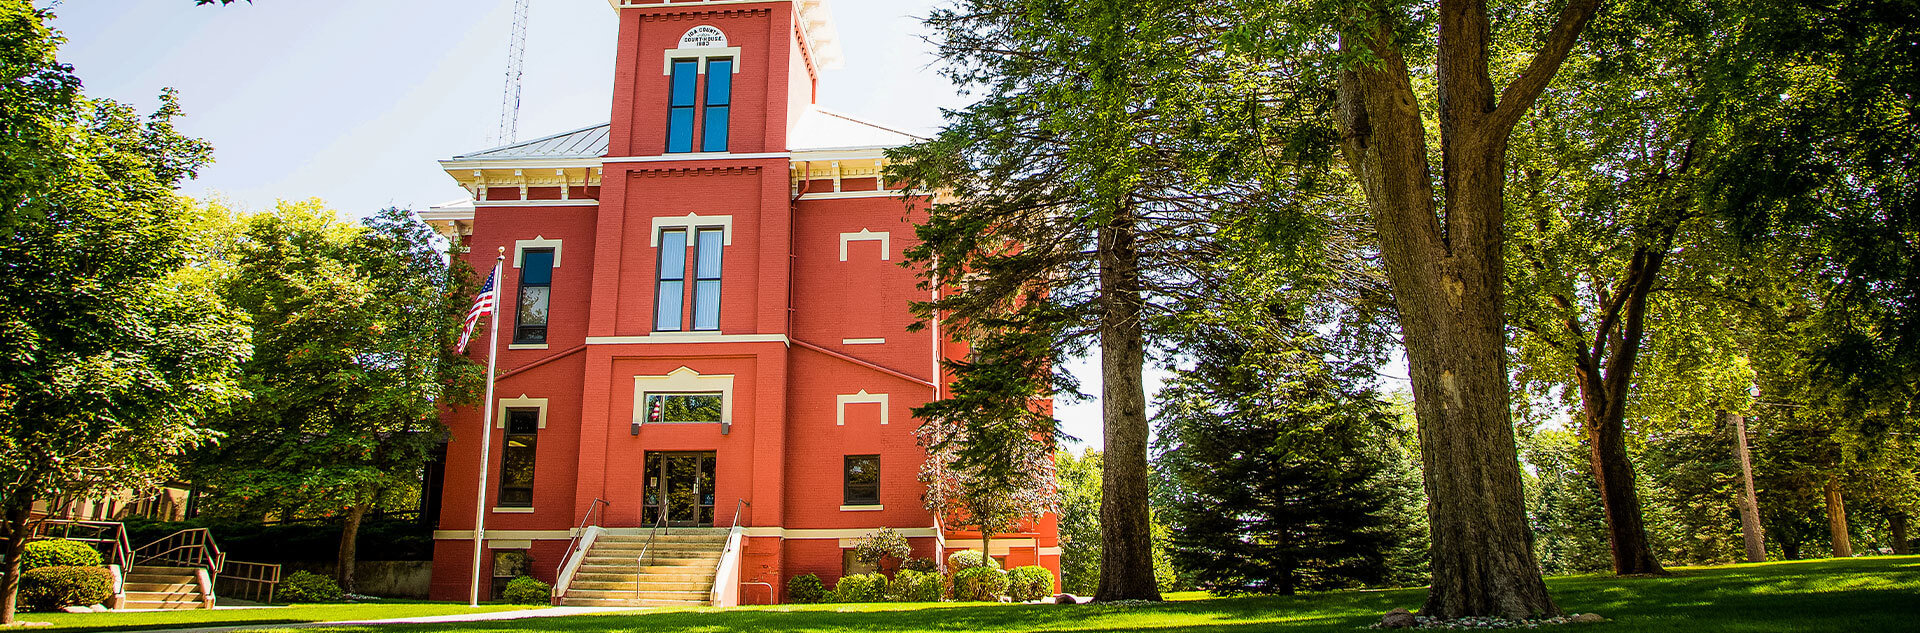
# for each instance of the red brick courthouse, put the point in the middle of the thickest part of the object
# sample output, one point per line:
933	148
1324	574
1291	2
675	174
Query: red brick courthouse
703	318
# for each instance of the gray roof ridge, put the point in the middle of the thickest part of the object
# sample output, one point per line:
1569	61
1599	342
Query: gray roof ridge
852	119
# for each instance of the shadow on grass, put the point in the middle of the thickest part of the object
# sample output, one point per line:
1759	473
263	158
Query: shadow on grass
180	625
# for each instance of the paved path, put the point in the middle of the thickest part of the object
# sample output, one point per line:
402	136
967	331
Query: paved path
552	612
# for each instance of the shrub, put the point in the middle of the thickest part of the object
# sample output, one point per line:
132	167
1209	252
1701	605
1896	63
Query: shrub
59	553
1032	582
49	588
924	565
806	589
979	583
309	587
860	588
914	586
880	544
526	590
966	559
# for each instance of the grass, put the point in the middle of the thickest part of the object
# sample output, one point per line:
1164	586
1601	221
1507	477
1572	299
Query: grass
294	614
1867	594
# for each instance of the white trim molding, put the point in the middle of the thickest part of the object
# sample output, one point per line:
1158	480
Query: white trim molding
526	346
863	341
683	380
1049	551
1001	546
841	402
850	533
700	55
522	402
693	221
668	158
509	544
539	241
669	338
885	239
863	508
525	535
506	510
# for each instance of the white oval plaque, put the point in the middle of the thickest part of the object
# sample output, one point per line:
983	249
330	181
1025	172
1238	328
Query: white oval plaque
703	36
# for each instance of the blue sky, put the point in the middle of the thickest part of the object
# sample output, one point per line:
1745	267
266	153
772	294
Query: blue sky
352	101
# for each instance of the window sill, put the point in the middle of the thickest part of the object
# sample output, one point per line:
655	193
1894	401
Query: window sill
513	510
864	508
527	346
863	341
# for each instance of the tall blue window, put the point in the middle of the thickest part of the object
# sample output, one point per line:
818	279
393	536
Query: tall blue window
680	106
670	294
719	98
536	295
706	280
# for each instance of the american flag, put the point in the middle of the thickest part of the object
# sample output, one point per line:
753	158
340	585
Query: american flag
482	306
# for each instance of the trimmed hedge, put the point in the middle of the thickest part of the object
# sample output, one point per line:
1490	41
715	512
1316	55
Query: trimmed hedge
914	586
527	590
305	586
49	588
1032	582
968	559
980	584
860	588
806	589
59	553
924	565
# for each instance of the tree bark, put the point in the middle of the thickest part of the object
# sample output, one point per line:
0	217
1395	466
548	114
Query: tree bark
1902	543
1126	534
1837	521
18	513
1448	279
349	545
1603	396
1750	527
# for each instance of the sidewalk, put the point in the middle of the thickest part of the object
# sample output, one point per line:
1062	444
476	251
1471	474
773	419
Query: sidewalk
551	612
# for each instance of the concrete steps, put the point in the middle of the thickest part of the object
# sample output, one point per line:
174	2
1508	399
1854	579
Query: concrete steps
154	587
677	571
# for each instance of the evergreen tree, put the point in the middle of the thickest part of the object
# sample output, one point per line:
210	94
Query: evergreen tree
1284	474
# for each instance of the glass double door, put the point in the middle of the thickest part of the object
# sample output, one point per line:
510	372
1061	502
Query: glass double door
679	487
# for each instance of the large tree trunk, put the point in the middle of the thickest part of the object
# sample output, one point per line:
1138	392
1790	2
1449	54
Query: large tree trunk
1449	284
1750	528
1837	521
349	544
1126	534
18	513
1902	543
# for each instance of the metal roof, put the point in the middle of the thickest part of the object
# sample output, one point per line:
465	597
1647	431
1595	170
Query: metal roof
816	129
586	142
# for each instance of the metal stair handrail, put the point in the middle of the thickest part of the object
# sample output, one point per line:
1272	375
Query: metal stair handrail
577	548
723	572
186	548
641	560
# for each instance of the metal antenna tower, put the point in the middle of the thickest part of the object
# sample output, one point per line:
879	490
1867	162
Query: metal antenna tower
516	63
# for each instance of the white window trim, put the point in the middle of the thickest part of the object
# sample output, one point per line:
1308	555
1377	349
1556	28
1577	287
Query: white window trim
506	510
863	508
841	402
539	241
863	341
885	238
683	380
690	222
522	402
700	55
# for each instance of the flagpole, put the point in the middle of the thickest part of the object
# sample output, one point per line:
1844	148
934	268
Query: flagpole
486	433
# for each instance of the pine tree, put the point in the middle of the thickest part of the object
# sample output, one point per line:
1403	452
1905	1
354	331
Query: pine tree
1286	474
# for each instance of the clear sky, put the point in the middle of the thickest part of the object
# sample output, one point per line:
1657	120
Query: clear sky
352	101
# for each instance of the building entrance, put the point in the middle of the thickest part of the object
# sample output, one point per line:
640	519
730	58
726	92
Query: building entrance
679	487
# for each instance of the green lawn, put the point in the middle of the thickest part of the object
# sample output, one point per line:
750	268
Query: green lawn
1868	594
1874	594
75	622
